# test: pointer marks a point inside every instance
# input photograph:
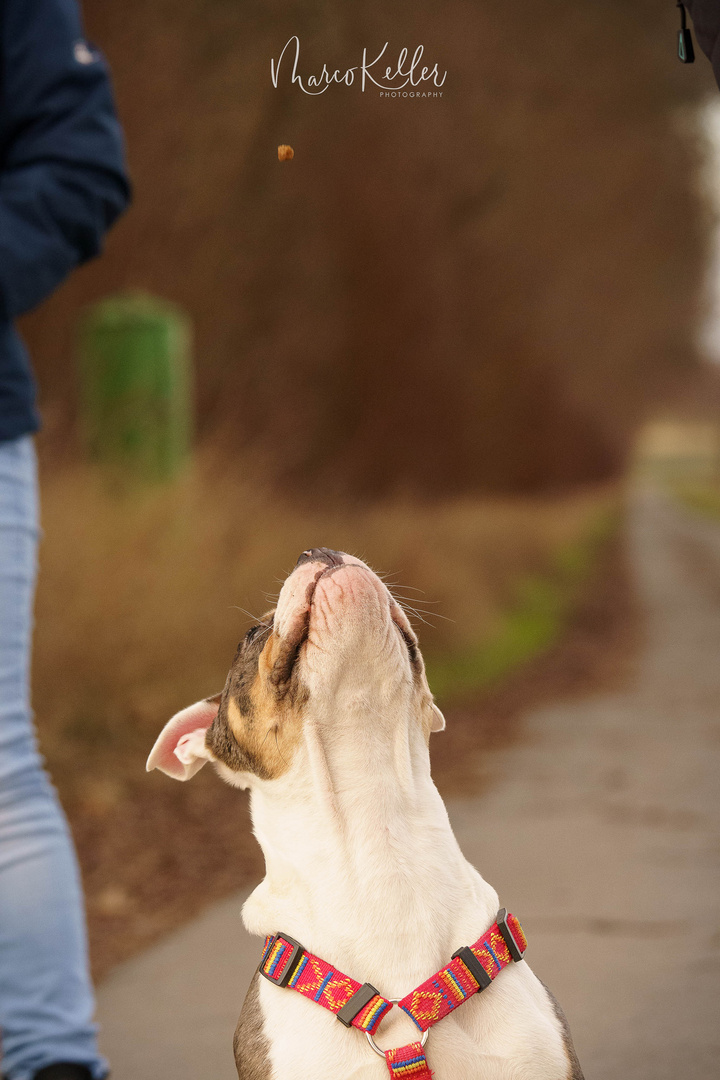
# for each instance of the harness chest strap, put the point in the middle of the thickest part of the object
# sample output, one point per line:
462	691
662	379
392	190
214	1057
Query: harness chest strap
471	970
286	963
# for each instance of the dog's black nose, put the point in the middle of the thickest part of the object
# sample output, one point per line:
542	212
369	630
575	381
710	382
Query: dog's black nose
326	555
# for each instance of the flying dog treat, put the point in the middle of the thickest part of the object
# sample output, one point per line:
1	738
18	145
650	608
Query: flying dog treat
285	153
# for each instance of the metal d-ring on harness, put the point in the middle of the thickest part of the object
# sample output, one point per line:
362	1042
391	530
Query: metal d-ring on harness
376	1048
286	963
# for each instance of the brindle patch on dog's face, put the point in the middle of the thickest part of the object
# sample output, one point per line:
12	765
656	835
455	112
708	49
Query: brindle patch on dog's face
259	720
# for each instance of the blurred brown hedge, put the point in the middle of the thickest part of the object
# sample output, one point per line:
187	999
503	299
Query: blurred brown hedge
475	293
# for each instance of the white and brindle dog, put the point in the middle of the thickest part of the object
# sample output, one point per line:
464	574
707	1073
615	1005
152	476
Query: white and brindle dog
326	717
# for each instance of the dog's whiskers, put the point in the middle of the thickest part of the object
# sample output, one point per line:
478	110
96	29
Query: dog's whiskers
250	615
420	613
401	596
411	607
406	605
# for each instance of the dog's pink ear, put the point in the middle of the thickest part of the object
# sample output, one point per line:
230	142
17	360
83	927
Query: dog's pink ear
180	749
438	720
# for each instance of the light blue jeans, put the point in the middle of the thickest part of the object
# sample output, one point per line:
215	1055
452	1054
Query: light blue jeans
46	998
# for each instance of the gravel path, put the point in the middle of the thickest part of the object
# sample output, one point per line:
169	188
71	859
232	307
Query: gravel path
601	831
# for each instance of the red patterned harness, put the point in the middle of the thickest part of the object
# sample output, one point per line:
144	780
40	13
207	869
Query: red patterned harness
286	963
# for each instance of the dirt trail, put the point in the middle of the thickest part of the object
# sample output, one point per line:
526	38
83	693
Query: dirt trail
601	830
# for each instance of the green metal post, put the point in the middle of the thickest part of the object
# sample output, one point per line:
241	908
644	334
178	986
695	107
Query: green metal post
136	386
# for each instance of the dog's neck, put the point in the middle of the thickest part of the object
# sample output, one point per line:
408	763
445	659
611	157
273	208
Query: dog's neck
362	864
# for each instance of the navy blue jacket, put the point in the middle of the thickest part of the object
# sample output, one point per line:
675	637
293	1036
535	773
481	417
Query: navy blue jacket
62	173
705	15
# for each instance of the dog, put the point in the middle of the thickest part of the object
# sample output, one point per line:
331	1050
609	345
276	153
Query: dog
326	717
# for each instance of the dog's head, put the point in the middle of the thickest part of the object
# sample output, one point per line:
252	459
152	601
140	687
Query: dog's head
337	650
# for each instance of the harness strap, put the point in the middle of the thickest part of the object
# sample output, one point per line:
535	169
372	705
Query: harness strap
471	970
286	963
408	1063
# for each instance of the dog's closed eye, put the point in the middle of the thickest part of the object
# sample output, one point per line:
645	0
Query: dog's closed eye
410	642
254	632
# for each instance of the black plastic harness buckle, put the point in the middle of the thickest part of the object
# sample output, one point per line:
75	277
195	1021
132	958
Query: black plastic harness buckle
513	948
290	965
474	966
356	1003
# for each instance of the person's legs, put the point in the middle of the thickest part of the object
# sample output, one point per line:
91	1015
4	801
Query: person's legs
46	998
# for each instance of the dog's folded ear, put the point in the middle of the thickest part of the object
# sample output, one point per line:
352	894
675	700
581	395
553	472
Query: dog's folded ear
180	749
438	720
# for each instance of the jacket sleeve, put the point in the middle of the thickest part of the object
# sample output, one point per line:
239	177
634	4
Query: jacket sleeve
62	169
705	15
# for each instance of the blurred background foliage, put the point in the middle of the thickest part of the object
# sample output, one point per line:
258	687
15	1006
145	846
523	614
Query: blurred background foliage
479	293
